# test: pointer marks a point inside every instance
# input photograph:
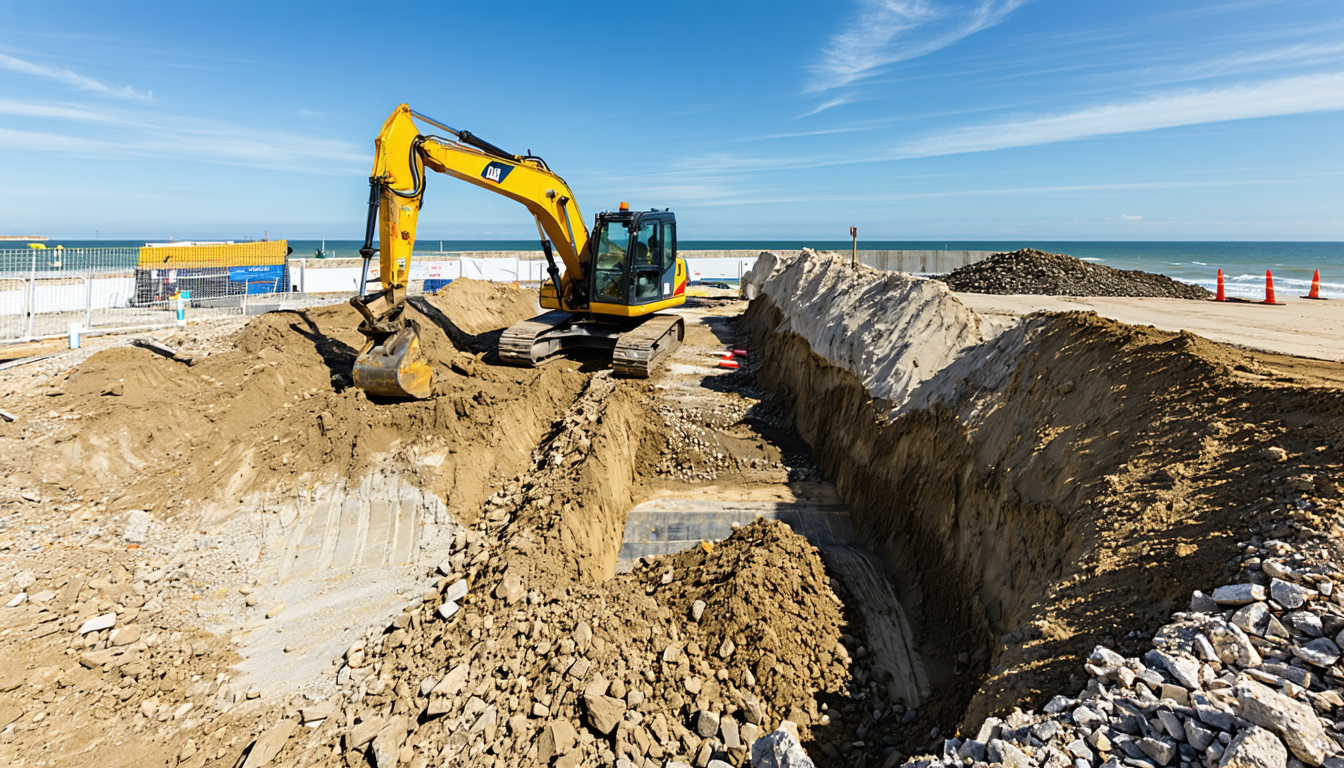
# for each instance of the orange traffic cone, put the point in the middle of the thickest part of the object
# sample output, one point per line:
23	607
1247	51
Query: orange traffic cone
1315	292
1222	294
1269	290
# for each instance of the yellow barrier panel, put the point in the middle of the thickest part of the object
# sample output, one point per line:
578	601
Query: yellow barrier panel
207	256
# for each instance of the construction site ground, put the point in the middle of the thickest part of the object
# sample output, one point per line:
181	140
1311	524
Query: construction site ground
1299	328
219	552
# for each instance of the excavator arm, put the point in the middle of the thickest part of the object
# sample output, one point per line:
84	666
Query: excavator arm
391	363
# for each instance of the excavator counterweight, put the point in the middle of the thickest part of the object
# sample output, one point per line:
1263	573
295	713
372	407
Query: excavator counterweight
616	279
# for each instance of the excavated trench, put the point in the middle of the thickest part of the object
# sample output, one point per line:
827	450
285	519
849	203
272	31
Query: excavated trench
1005	498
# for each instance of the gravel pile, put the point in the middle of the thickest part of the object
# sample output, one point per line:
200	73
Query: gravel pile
677	670
1054	274
1249	677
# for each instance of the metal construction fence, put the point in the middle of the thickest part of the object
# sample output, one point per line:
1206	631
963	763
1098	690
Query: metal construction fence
43	291
431	270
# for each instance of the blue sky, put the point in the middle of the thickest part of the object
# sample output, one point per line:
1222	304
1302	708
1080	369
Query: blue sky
911	119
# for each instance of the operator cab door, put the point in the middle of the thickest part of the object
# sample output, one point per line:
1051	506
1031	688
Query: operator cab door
647	254
611	270
668	240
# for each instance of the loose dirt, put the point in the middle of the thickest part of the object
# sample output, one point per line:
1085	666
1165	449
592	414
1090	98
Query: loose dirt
277	414
1033	487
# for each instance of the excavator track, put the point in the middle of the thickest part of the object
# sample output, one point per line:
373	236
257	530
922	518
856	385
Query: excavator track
639	351
519	344
635	352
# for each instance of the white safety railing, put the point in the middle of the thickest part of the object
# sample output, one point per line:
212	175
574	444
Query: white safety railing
44	291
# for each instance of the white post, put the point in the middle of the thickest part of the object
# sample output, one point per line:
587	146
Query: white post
88	301
32	297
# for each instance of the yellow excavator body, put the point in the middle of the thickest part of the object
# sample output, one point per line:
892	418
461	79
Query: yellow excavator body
608	296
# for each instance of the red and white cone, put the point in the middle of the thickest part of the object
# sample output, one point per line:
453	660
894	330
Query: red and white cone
1315	292
1269	290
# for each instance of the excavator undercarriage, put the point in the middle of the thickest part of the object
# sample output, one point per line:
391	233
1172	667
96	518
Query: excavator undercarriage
636	349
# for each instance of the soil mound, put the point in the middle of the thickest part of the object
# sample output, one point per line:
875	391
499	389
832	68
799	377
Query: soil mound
480	306
766	600
277	413
624	664
1055	274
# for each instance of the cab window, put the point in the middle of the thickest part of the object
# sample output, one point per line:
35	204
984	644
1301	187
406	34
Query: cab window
646	262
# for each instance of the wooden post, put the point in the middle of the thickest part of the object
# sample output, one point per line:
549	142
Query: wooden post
854	259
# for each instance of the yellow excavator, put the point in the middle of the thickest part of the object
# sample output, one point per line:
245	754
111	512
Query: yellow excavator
615	282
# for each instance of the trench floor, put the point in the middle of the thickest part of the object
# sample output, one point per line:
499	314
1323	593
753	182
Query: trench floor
736	460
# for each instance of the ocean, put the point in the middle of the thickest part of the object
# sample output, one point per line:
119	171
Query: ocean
1243	263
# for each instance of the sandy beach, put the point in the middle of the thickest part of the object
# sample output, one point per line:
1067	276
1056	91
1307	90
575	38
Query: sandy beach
1299	327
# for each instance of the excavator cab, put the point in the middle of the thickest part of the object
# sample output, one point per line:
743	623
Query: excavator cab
635	258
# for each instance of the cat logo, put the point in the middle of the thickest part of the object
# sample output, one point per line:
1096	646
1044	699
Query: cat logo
496	172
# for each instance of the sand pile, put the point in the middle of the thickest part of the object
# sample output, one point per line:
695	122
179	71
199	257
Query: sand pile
480	306
1053	274
893	331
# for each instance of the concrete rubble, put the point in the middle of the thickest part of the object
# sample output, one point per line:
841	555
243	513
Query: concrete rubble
1219	688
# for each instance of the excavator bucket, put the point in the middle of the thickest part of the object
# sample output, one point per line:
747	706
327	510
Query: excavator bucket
395	367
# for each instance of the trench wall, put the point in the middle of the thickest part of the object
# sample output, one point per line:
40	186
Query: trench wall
976	464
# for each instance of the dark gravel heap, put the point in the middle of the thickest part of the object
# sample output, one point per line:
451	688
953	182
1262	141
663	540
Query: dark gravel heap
1055	274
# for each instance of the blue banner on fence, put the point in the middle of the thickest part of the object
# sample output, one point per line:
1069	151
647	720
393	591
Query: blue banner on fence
259	279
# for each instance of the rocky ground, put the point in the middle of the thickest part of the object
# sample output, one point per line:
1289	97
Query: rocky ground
1248	677
1054	274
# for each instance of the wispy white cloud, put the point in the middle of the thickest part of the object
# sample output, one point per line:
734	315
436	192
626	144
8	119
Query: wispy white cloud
744	197
58	111
1170	109
1300	55
825	105
130	134
888	31
1130	217
70	77
49	142
1283	96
